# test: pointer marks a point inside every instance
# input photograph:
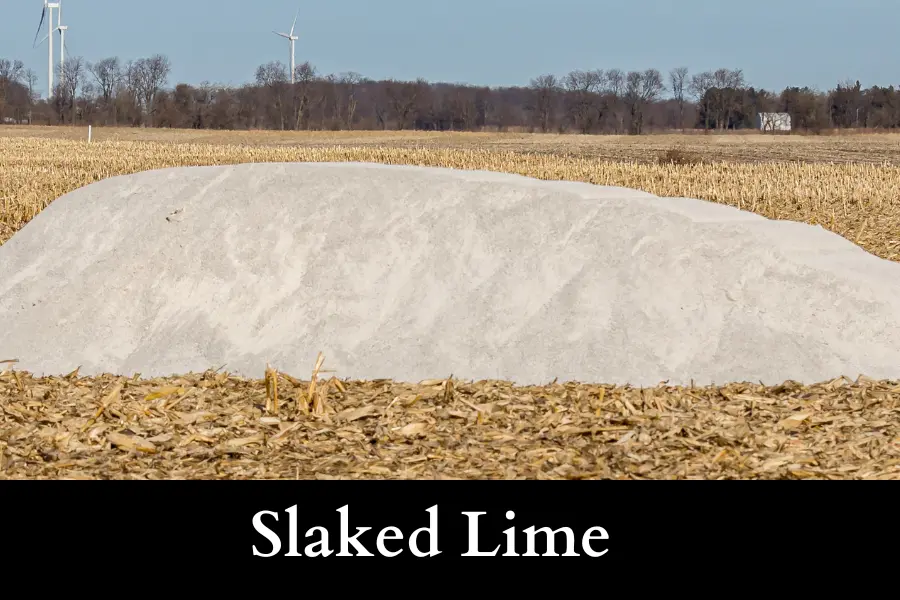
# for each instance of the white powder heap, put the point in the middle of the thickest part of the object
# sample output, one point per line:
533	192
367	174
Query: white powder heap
416	273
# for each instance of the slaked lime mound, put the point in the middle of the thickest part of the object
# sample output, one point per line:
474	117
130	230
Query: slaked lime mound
415	273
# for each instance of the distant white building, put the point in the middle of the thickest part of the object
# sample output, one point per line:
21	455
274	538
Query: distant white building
773	121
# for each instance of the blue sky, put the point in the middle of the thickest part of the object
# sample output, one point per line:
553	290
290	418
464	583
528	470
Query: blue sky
485	42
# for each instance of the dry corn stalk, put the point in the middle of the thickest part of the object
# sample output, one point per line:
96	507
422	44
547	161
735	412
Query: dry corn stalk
314	400
19	384
271	390
319	403
107	401
337	383
448	390
131	442
302	403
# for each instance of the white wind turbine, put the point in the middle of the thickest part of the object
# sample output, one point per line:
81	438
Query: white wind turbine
48	9
292	38
62	33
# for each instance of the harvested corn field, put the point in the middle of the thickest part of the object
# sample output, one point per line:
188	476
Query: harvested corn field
213	425
839	147
220	426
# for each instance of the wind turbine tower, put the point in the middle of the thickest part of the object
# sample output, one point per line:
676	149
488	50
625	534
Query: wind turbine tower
291	38
48	12
62	33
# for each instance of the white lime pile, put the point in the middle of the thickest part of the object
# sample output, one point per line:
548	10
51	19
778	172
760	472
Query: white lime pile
417	273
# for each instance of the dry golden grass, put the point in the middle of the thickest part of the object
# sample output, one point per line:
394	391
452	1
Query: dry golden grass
217	426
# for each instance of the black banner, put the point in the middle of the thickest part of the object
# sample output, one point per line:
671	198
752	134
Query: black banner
609	526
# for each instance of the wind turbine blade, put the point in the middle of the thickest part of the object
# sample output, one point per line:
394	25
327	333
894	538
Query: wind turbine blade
38	32
295	21
284	35
45	38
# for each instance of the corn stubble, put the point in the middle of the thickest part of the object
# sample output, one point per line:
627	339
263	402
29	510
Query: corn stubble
215	425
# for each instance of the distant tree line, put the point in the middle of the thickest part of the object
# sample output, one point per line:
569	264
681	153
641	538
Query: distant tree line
135	93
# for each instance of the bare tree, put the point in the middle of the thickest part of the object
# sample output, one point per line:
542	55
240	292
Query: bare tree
615	90
304	75
273	77
70	77
146	77
130	76
107	73
544	91
128	106
847	103
699	88
347	97
402	98
641	88
10	72
678	80
157	69
460	108
728	85
484	104
582	99
87	101
204	96
380	104
31	80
